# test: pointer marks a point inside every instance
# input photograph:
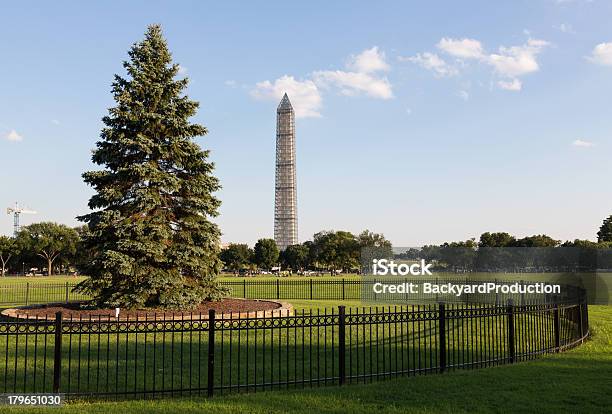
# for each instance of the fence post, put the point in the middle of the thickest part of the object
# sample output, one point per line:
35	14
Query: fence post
277	290
373	288
496	295
437	283
310	288
442	330
57	360
580	323
522	293
27	293
66	292
511	350
342	288
244	288
342	344
557	325
211	352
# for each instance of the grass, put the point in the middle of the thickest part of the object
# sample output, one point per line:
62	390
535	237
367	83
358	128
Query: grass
574	381
61	279
118	361
14	291
18	280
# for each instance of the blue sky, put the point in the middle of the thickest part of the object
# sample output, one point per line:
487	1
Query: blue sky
427	121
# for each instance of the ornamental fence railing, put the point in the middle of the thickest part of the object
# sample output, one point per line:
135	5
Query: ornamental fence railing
223	353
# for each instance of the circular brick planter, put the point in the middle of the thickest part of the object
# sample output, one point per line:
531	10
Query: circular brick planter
283	309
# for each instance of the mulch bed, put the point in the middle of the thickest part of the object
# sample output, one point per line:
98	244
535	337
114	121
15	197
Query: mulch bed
75	310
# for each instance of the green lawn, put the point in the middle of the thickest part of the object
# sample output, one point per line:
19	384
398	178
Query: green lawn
572	382
14	290
18	280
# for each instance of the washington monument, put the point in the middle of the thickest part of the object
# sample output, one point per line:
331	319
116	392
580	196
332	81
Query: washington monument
285	190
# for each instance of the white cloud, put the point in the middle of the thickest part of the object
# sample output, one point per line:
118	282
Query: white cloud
517	60
304	95
509	63
231	83
432	62
369	61
513	85
354	83
361	77
12	135
55	122
582	144
602	54
182	70
461	48
409	111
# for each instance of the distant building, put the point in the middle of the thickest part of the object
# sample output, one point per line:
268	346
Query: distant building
285	190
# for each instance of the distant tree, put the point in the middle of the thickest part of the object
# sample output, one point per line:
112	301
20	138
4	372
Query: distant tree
605	231
499	239
266	253
376	241
410	254
324	248
236	256
587	244
430	253
8	248
459	255
582	254
337	250
372	246
312	260
534	251
295	257
540	240
48	241
151	235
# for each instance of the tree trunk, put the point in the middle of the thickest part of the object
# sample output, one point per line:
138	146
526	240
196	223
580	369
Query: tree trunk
4	262
50	263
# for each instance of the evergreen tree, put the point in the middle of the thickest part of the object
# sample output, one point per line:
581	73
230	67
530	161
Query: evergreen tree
150	236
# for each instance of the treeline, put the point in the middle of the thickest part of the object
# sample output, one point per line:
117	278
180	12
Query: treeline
45	247
330	251
500	251
51	248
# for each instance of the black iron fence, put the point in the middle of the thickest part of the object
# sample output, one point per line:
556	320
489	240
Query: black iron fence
221	353
20	294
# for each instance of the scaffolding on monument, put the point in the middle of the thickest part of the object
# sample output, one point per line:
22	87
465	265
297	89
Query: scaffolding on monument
285	191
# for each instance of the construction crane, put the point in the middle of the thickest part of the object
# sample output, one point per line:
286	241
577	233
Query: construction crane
16	212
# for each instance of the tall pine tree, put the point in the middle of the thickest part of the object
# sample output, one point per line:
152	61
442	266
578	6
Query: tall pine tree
151	241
